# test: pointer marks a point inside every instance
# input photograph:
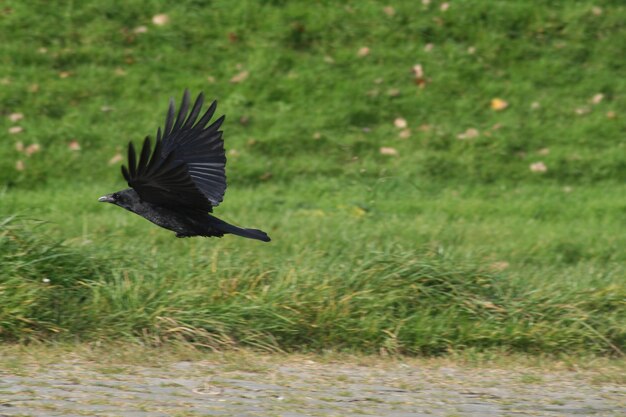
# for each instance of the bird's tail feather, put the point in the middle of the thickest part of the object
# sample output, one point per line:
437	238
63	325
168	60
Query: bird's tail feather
229	228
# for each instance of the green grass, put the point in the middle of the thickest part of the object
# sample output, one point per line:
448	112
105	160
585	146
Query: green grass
451	244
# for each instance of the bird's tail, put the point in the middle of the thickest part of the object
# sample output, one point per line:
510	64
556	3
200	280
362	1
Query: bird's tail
229	228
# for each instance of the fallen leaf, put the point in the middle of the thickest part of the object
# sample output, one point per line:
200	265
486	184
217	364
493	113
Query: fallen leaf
385	150
5	81
363	51
470	133
19	165
611	114
428	47
498	104
16	129
418	73
19	146
538	167
499	266
471	50
160	19
597	98
120	72
317	135
233	152
393	92
116	158
425	128
544	151
582	110
400	123
426	2
405	134
32	149
33	88
210	79
73	145
444	6
42	50
65	74
389	11
596	10
239	77
329	59
106	109
535	105
567	189
140	29
14	117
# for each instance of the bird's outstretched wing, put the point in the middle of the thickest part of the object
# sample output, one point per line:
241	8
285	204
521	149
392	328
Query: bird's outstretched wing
161	178
197	145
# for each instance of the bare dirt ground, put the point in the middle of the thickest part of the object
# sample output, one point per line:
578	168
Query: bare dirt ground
151	384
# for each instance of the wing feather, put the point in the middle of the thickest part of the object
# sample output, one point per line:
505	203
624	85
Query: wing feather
187	165
197	144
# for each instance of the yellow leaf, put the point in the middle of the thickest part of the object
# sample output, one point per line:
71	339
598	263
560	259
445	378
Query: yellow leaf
498	104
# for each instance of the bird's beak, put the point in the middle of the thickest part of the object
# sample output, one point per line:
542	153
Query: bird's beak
106	199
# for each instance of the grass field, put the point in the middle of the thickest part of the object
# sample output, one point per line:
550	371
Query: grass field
435	176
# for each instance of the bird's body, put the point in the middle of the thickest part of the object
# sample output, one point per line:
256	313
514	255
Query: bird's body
178	184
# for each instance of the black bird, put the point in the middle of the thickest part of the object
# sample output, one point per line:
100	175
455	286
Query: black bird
178	184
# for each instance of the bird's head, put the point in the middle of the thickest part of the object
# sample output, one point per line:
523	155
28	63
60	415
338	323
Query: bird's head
125	198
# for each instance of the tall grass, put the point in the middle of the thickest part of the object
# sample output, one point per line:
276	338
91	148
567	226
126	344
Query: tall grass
410	303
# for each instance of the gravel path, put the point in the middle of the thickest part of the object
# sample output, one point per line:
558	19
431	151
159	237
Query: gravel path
301	387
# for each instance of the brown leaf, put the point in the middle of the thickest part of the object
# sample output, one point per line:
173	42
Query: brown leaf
19	146
239	77
400	123
14	117
160	19
389	11
116	158
16	129
597	98
140	29
32	149
19	165
386	150
538	167
363	51
73	145
405	134
418	73
470	133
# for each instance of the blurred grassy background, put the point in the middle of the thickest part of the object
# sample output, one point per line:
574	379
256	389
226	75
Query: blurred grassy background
435	176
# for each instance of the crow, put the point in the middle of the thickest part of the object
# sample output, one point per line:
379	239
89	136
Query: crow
177	184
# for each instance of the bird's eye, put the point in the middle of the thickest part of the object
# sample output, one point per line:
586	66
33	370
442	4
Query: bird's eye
116	196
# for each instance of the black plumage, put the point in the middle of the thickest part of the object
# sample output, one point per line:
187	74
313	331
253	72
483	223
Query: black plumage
177	184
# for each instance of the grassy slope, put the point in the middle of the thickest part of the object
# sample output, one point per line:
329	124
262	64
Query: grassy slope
370	251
